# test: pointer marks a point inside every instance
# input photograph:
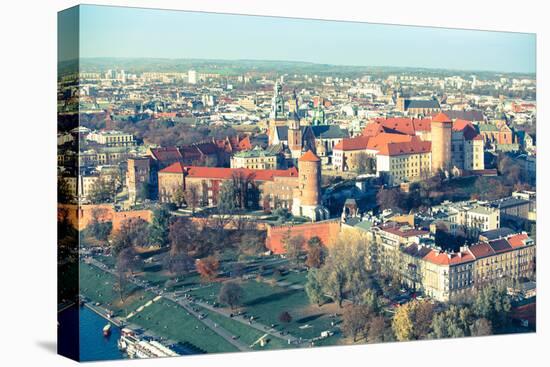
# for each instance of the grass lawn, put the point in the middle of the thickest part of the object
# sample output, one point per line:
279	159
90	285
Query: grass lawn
167	319
246	334
97	285
266	302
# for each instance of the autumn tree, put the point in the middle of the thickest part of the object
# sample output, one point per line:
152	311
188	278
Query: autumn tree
355	321
184	237
481	327
133	232
376	328
231	293
208	267
402	322
293	247
315	253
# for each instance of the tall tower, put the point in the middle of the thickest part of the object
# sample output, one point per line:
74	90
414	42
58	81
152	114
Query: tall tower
307	197
441	142
294	130
277	104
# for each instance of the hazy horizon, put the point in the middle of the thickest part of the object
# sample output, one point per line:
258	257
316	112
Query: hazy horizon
123	32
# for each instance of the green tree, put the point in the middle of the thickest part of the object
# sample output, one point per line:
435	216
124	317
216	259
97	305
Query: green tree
159	228
314	286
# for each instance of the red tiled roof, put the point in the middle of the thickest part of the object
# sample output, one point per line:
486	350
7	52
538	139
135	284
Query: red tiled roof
415	146
227	173
356	143
481	249
396	125
309	156
442	258
166	154
377	142
517	240
441	117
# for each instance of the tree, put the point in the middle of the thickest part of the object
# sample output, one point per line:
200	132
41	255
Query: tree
376	328
388	199
227	197
185	238
97	228
315	254
363	163
402	323
451	323
422	315
314	286
481	327
231	293
126	262
208	267
293	247
64	194
492	303
179	263
252	242
344	271
192	197
102	191
285	317
159	228
355	320
133	232
178	196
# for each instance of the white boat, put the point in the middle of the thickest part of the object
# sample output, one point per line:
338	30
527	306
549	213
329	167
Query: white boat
107	329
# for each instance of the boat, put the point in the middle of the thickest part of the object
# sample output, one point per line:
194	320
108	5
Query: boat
107	330
135	347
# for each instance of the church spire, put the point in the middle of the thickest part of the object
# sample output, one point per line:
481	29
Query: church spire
277	103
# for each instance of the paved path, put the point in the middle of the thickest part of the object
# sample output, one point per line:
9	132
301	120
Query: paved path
256	325
208	323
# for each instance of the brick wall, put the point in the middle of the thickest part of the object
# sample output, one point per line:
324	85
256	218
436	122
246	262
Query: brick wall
80	216
327	231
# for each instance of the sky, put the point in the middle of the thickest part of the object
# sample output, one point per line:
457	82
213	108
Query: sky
134	32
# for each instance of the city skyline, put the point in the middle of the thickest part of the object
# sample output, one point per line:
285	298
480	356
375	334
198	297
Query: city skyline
318	41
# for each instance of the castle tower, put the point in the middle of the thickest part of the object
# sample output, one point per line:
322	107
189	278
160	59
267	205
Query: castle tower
294	130
138	178
441	142
307	197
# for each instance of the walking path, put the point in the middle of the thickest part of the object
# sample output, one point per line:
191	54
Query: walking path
208	323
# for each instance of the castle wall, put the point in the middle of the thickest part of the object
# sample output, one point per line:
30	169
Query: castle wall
327	231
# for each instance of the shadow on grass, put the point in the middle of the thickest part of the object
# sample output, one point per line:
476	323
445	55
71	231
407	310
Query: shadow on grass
303	320
270	298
